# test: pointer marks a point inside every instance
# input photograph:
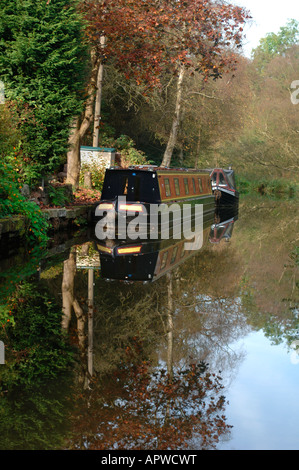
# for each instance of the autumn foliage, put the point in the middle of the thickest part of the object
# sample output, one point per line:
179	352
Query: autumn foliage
142	408
148	37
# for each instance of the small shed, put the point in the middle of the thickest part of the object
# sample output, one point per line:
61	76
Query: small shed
100	156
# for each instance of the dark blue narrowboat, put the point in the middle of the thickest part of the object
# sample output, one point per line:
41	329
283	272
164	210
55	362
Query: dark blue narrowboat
132	191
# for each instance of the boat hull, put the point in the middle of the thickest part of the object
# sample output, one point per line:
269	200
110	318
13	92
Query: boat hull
224	186
225	197
165	220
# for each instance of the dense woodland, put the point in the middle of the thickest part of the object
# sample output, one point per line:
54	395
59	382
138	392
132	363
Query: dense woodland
246	118
161	81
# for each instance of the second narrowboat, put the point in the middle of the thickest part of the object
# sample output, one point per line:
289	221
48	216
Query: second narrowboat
224	186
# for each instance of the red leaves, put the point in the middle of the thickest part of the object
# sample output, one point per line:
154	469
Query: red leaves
142	407
145	40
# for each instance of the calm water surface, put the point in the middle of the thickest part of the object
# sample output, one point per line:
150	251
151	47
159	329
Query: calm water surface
160	348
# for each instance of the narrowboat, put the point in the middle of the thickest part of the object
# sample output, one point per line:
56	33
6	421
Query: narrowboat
132	191
224	186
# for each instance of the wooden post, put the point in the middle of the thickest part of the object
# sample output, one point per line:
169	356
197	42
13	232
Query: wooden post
2	353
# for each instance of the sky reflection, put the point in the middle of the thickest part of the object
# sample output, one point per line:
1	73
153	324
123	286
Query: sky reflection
263	400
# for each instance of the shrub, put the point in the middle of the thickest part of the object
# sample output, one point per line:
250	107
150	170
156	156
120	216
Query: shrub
12	202
97	175
129	155
57	195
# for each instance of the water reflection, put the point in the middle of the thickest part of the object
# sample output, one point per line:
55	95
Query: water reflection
148	350
136	387
149	260
151	401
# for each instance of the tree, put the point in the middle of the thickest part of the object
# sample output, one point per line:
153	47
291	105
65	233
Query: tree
125	25
43	61
141	407
197	39
274	120
269	139
147	39
276	44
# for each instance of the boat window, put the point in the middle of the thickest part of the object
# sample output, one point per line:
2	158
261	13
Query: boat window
186	185
194	186
164	260
174	253
135	186
177	186
200	184
167	187
221	179
125	183
214	177
230	179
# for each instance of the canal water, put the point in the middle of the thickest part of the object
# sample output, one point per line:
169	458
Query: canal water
115	346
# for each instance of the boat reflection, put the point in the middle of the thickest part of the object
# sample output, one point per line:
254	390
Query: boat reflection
224	224
147	261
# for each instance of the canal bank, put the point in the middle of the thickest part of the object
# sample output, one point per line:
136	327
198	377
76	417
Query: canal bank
13	228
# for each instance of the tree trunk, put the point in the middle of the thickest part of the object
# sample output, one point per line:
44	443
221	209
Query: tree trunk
97	112
170	327
69	301
176	121
73	155
198	148
79	130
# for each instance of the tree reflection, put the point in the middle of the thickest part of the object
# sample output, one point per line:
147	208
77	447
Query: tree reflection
141	407
35	382
267	244
139	403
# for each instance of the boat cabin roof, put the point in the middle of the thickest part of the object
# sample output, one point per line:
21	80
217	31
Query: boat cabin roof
229	176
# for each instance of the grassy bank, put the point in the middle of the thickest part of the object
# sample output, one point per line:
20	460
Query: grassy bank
279	188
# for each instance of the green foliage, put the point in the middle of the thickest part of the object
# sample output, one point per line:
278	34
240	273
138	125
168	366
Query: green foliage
276	43
57	196
35	345
278	188
35	380
131	156
12	202
35	420
97	175
9	136
43	61
14	275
